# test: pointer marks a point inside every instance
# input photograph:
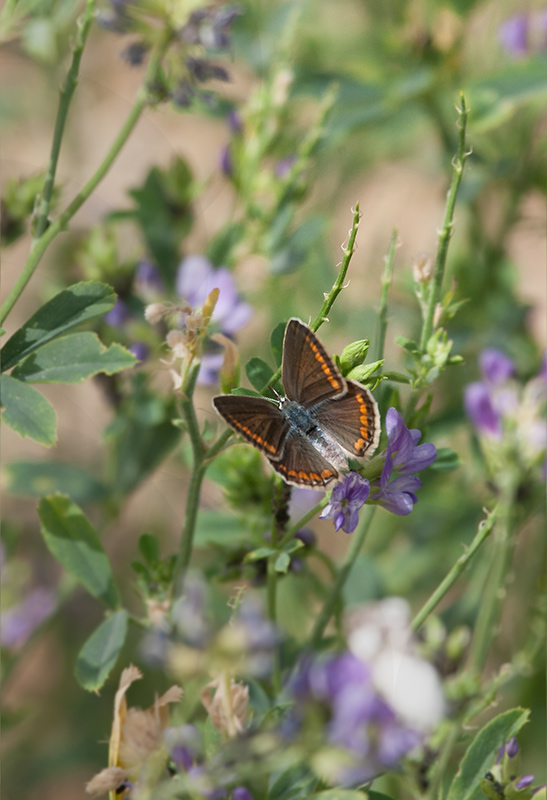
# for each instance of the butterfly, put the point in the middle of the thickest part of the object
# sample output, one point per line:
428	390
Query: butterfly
325	418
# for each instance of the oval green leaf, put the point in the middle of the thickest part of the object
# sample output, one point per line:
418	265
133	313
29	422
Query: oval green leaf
72	359
99	654
27	411
73	541
258	373
39	478
71	307
482	752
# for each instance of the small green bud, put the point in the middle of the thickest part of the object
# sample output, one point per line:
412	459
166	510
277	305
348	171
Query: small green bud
363	372
354	355
457	642
230	372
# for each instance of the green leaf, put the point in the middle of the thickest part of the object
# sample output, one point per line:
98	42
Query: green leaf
276	342
140	436
164	214
408	344
343	794
282	563
73	541
99	654
148	545
258	373
38	478
71	307
259	554
447	460
482	752
72	359
213	527
27	411
246	392
291	783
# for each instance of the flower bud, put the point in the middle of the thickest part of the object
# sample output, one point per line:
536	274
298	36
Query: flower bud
354	355
422	268
231	366
363	372
154	312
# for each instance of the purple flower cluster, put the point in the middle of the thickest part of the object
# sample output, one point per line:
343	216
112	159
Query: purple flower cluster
523	34
404	456
196	278
185	746
358	719
505	773
346	499
506	413
19	622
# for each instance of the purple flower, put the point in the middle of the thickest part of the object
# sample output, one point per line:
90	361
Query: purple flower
284	166
211	364
345	501
495	366
196	278
140	350
184	745
480	409
404	456
513	35
20	621
118	316
359	719
226	162
148	282
241	793
525	781
512	748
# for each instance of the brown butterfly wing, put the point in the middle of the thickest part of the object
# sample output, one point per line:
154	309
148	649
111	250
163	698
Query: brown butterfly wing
309	374
256	419
353	420
302	465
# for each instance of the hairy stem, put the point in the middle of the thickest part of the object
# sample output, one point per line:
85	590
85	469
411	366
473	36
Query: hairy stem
445	233
484	531
386	283
65	96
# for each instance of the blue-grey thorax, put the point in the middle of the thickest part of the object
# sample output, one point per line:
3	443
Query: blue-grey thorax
303	423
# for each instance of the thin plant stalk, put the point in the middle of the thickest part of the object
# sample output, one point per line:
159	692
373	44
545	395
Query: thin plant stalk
65	96
446	231
484	531
486	625
40	245
386	283
337	286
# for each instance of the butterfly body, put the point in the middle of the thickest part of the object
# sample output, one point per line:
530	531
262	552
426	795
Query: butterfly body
309	435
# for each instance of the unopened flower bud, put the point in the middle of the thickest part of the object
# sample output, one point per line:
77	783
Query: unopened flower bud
209	305
177	341
364	371
154	312
231	366
354	355
227	708
422	268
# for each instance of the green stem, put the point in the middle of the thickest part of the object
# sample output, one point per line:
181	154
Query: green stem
386	283
199	468
65	97
337	287
355	547
445	233
484	531
486	625
40	245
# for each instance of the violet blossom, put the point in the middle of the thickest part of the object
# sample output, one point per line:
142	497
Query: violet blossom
196	278
403	457
19	622
345	501
359	720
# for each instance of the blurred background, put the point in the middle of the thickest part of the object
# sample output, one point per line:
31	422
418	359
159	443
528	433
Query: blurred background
395	70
